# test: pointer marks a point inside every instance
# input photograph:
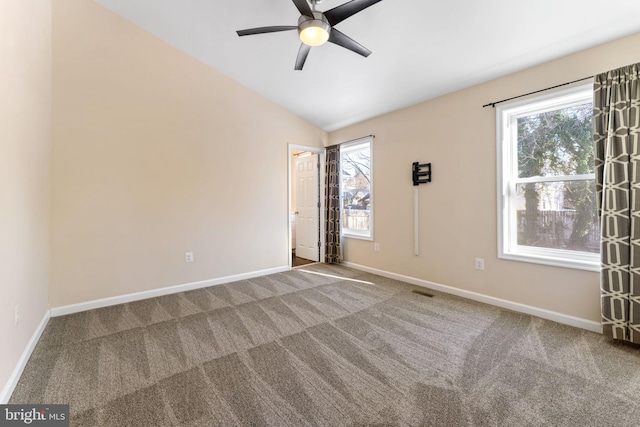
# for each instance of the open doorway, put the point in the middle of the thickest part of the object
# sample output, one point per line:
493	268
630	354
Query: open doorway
306	213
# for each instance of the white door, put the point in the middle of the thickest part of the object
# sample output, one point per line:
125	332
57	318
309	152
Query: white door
307	221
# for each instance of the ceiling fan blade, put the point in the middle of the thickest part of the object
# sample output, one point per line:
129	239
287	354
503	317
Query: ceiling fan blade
262	30
340	39
342	12
302	56
303	7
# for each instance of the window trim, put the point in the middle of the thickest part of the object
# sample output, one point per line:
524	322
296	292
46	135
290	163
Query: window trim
351	234
506	115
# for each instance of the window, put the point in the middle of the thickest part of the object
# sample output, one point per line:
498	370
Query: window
546	181
356	160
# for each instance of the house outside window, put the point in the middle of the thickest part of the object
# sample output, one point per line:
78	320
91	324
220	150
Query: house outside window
546	181
356	186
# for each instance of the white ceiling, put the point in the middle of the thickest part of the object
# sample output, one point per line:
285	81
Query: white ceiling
421	48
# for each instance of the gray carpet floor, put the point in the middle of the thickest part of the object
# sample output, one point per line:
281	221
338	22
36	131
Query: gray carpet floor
340	348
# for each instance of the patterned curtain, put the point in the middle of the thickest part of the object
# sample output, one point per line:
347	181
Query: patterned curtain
617	148
332	198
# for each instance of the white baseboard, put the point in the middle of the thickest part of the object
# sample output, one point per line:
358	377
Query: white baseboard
565	319
7	391
121	299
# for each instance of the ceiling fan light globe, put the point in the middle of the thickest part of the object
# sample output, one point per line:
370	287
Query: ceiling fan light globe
314	32
314	36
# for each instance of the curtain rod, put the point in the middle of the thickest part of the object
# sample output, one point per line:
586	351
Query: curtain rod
355	139
493	104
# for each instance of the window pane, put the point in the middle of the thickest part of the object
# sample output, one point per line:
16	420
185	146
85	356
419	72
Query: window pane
558	215
556	143
356	189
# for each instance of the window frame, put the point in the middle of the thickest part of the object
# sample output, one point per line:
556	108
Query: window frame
346	232
507	178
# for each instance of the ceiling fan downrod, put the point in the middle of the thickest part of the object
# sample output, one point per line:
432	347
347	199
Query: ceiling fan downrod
314	3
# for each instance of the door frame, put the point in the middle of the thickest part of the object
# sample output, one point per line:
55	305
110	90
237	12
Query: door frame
321	180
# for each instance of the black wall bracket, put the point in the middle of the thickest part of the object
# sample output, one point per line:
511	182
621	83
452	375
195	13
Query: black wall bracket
421	173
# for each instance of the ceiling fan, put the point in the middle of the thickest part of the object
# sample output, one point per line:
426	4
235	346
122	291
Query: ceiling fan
316	28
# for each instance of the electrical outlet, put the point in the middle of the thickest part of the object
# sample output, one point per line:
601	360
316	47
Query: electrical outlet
479	263
376	247
17	314
188	257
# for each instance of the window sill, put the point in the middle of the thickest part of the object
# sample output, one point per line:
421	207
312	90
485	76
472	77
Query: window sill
587	263
352	235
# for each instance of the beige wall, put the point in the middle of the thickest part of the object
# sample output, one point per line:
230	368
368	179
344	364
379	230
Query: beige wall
156	154
458	209
25	156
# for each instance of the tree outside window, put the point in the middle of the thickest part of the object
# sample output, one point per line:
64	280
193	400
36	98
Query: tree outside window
559	214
